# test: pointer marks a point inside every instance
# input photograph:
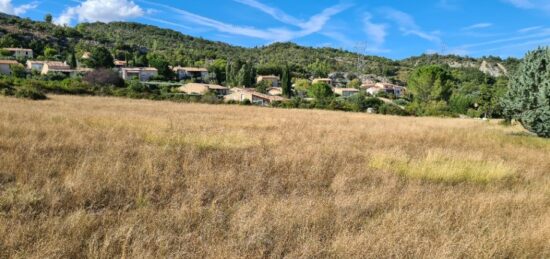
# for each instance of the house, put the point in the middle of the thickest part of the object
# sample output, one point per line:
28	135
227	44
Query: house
275	91
34	65
5	66
273	81
197	73
396	90
201	89
120	63
57	67
240	95
327	81
345	92
141	73
19	53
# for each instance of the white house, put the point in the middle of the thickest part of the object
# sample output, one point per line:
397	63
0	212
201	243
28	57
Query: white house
20	53
34	65
141	73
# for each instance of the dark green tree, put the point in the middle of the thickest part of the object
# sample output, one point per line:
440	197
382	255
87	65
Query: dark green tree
286	82
430	83
528	96
101	58
320	91
71	60
162	66
48	18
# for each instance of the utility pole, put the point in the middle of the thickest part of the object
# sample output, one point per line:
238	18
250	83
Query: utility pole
361	50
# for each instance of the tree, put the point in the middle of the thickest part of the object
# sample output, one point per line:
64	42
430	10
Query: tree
263	86
319	69
101	58
218	68
71	60
286	82
528	96
49	53
162	66
430	83
355	83
320	91
18	70
48	18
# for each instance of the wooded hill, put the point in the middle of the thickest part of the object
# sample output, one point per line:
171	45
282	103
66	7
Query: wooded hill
127	40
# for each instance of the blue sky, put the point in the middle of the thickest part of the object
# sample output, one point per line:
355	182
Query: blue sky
391	28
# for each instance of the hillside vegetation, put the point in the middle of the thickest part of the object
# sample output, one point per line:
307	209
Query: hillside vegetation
127	40
105	177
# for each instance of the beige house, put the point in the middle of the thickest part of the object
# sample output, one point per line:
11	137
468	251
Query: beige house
197	73
201	89
5	66
141	73
240	95
57	67
327	81
272	80
34	65
396	90
345	92
20	53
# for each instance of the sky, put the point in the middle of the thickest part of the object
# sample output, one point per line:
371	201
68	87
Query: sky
391	28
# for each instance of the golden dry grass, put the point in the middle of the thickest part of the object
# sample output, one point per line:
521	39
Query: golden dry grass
106	177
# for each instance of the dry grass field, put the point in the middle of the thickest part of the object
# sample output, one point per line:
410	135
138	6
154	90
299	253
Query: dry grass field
105	177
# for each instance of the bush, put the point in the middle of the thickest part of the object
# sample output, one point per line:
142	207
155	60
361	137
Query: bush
29	92
103	77
391	109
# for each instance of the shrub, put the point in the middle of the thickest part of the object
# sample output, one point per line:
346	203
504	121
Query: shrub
103	77
373	102
29	91
391	109
528	96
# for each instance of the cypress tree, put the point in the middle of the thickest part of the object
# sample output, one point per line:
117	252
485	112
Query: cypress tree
286	82
528	96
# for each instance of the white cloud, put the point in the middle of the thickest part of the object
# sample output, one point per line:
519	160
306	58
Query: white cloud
530	29
376	32
102	11
313	25
477	26
274	12
6	6
530	4
407	25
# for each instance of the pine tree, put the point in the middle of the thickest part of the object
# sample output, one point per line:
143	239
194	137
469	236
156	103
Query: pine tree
528	96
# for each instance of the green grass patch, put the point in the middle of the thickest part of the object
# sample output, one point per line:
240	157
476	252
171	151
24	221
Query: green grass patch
440	166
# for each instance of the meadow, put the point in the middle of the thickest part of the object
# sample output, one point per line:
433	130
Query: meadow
105	177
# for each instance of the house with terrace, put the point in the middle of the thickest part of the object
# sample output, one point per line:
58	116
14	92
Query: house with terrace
139	73
196	73
20	53
202	89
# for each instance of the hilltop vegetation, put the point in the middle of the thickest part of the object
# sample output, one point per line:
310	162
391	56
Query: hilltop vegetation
126	40
110	178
